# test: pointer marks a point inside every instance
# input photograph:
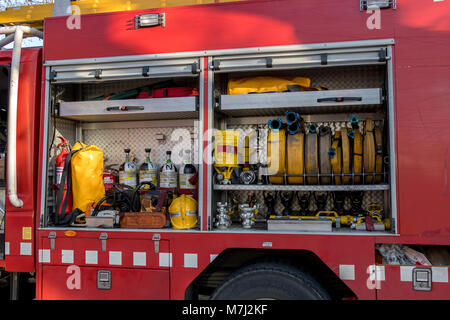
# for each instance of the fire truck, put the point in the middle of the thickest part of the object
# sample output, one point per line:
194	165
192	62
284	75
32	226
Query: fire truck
375	86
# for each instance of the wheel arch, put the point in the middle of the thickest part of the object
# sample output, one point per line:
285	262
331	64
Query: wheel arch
233	259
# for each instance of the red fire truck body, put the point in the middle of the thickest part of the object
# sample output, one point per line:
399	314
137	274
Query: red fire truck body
163	264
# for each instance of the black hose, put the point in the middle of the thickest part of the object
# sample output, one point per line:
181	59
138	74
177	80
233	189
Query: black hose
137	208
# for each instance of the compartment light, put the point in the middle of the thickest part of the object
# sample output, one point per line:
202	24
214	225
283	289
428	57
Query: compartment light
381	4
149	20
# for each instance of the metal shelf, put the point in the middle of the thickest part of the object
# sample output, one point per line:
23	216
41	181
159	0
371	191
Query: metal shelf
273	187
326	101
130	109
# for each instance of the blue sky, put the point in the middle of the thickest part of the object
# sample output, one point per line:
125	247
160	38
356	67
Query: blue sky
28	42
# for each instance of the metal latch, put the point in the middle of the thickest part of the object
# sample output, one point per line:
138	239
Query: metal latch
156	238
52	237
103	237
421	279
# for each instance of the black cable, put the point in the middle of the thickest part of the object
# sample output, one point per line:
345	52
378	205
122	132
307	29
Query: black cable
136	191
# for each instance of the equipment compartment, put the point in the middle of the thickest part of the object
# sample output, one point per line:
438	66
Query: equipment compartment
351	99
147	114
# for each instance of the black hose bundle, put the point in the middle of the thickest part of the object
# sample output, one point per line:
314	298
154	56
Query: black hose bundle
123	198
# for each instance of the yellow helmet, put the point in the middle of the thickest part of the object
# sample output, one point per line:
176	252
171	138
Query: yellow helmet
183	212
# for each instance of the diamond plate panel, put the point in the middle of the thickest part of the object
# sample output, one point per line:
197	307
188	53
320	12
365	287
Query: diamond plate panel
65	128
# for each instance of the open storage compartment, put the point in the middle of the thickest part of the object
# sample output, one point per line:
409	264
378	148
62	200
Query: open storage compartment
136	105
348	88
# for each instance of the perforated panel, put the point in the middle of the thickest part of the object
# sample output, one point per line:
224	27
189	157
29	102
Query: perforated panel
66	129
114	141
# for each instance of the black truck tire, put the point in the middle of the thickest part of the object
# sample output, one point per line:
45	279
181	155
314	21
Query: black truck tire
273	281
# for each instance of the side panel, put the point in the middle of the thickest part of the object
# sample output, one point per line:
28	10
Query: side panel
134	263
420	29
349	258
19	222
214	27
395	282
189	254
424	134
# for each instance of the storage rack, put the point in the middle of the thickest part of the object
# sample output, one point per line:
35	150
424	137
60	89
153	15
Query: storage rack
365	99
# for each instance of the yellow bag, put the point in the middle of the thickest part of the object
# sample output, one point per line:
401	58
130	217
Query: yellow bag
265	84
87	175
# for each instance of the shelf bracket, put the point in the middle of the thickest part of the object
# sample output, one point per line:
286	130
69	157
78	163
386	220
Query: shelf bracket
98	74
195	69
53	74
145	71
382	55
216	64
324	58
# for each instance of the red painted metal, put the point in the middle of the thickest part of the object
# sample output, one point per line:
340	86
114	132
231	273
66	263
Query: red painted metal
420	54
141	281
27	147
358	252
420	29
393	287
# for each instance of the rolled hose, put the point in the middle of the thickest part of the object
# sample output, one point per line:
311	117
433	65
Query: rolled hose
275	124
312	128
354	122
293	128
323	130
291	117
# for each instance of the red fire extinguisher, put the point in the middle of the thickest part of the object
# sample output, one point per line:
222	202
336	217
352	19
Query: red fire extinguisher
60	161
109	177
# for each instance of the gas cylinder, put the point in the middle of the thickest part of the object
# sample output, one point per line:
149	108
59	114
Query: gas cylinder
147	171
187	172
60	161
168	177
127	171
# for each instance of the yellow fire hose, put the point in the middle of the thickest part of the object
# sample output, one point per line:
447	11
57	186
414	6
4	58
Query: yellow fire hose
369	151
357	155
276	155
345	155
324	147
311	158
378	153
335	154
295	157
